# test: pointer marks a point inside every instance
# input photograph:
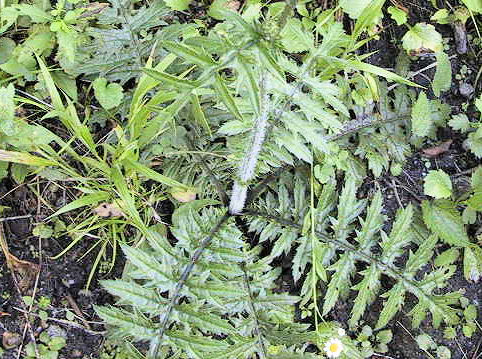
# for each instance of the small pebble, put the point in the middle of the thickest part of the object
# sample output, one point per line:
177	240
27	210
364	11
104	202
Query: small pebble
466	90
56	331
76	353
11	340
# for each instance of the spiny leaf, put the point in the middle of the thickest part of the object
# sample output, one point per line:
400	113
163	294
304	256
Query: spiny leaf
171	80
134	294
446	222
226	97
189	54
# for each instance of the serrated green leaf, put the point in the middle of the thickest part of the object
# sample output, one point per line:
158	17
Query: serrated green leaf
131	324
425	342
422	116
205	320
474	142
398	15
367	292
189	54
437	184
422	37
226	97
472	264
396	297
7	110
295	38
134	294
442	80
171	80
147	264
446	222
447	257
460	122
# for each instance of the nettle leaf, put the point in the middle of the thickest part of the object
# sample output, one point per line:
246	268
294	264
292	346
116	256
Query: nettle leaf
460	122
476	180
474	141
8	17
444	220
398	15
109	96
7	110
421	116
438	184
443	75
422	37
473	5
36	14
6	48
354	8
472	264
67	41
295	38
178	5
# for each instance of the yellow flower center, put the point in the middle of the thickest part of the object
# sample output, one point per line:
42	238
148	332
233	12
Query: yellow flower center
334	347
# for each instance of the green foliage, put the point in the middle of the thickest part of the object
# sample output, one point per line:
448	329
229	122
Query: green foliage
178	5
422	37
398	15
108	95
421	116
438	184
273	115
443	75
229	281
332	237
48	347
473	5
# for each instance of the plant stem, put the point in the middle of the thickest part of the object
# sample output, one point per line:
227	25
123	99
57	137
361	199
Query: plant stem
156	344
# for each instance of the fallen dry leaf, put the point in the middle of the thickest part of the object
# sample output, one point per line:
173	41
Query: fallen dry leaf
108	210
233	5
27	271
93	8
437	150
11	340
184	196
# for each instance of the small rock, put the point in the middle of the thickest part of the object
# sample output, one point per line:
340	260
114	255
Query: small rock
11	340
76	353
56	331
466	90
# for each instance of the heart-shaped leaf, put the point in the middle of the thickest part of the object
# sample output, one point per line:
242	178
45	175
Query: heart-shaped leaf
108	95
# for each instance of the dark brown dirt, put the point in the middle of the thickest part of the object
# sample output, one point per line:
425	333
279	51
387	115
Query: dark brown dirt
62	281
408	187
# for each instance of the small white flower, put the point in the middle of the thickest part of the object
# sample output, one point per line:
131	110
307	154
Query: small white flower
341	332
333	348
